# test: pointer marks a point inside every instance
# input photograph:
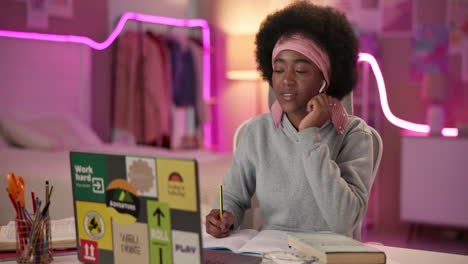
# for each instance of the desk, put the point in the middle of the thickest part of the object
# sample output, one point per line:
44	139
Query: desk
394	255
413	256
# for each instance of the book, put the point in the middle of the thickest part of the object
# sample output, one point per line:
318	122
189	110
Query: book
335	248
62	232
249	241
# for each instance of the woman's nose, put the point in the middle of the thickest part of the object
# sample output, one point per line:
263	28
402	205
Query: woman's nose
289	77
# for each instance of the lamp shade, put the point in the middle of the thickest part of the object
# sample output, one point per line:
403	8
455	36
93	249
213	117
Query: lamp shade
241	63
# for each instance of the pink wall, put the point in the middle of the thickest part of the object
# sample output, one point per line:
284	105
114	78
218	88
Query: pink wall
89	19
39	77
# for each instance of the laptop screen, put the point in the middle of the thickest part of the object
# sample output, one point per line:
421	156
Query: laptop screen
136	209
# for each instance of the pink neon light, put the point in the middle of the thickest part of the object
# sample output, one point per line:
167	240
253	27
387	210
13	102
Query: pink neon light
118	29
450	132
420	128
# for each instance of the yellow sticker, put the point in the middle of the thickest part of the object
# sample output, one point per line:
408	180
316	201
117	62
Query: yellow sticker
123	219
176	183
94	223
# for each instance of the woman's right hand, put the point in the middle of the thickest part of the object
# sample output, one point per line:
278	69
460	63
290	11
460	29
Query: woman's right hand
219	227
319	111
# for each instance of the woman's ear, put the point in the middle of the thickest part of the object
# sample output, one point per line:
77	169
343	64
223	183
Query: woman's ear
322	88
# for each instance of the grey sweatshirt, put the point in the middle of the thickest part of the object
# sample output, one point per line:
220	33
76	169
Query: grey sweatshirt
312	180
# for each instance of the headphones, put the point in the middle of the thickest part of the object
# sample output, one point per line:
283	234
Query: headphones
322	88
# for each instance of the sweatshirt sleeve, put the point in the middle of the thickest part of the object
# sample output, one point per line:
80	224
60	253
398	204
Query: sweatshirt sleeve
239	183
341	188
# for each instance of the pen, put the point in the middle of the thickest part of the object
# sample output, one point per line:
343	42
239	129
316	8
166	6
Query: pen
47	191
50	192
221	202
33	198
15	205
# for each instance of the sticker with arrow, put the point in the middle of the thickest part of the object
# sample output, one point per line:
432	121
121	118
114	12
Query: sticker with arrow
89	251
159	226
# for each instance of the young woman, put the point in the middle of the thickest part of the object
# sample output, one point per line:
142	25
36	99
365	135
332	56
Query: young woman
308	161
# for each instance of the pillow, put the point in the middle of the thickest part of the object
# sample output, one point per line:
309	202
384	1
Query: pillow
69	131
21	134
48	132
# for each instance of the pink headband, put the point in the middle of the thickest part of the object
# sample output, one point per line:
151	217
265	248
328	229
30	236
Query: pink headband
306	47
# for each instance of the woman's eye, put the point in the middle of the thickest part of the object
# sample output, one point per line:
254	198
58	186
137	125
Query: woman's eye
278	70
299	71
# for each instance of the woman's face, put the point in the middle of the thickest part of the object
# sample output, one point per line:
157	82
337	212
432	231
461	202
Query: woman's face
295	80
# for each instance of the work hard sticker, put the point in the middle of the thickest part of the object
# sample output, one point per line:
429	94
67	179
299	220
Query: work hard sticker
89	177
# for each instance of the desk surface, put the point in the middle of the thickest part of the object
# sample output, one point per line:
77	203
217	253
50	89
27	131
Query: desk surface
411	256
394	255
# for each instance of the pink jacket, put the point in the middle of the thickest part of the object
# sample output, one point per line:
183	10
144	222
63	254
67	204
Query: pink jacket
142	89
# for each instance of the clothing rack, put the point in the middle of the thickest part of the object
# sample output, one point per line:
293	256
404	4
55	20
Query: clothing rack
186	128
172	23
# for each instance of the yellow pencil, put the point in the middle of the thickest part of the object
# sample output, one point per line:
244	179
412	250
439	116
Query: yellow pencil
221	202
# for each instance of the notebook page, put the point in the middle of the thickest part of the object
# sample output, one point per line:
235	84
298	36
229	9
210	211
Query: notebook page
266	241
233	242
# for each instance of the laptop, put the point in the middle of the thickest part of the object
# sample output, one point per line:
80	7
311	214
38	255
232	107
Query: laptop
139	209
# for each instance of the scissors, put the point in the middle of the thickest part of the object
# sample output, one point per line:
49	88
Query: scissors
16	187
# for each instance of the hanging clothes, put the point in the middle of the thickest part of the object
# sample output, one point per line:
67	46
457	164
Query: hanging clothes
184	94
202	113
202	107
162	43
142	99
184	89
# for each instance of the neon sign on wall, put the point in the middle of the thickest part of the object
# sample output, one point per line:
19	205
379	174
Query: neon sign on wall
363	57
420	128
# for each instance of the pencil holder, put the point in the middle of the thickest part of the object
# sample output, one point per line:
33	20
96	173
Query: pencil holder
33	241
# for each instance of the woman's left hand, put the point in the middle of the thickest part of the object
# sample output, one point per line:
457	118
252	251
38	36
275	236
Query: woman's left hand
219	227
319	111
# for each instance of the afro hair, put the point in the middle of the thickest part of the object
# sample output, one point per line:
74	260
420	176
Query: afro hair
327	27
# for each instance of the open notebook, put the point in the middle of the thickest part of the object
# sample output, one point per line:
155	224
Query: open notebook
63	235
249	241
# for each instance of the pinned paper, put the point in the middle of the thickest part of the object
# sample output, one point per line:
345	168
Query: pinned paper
61	8
430	50
457	19
397	15
37	14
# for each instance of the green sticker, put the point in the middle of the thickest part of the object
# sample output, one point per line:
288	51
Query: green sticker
159	222
89	176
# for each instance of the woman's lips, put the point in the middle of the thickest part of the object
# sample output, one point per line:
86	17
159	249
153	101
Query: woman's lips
288	96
